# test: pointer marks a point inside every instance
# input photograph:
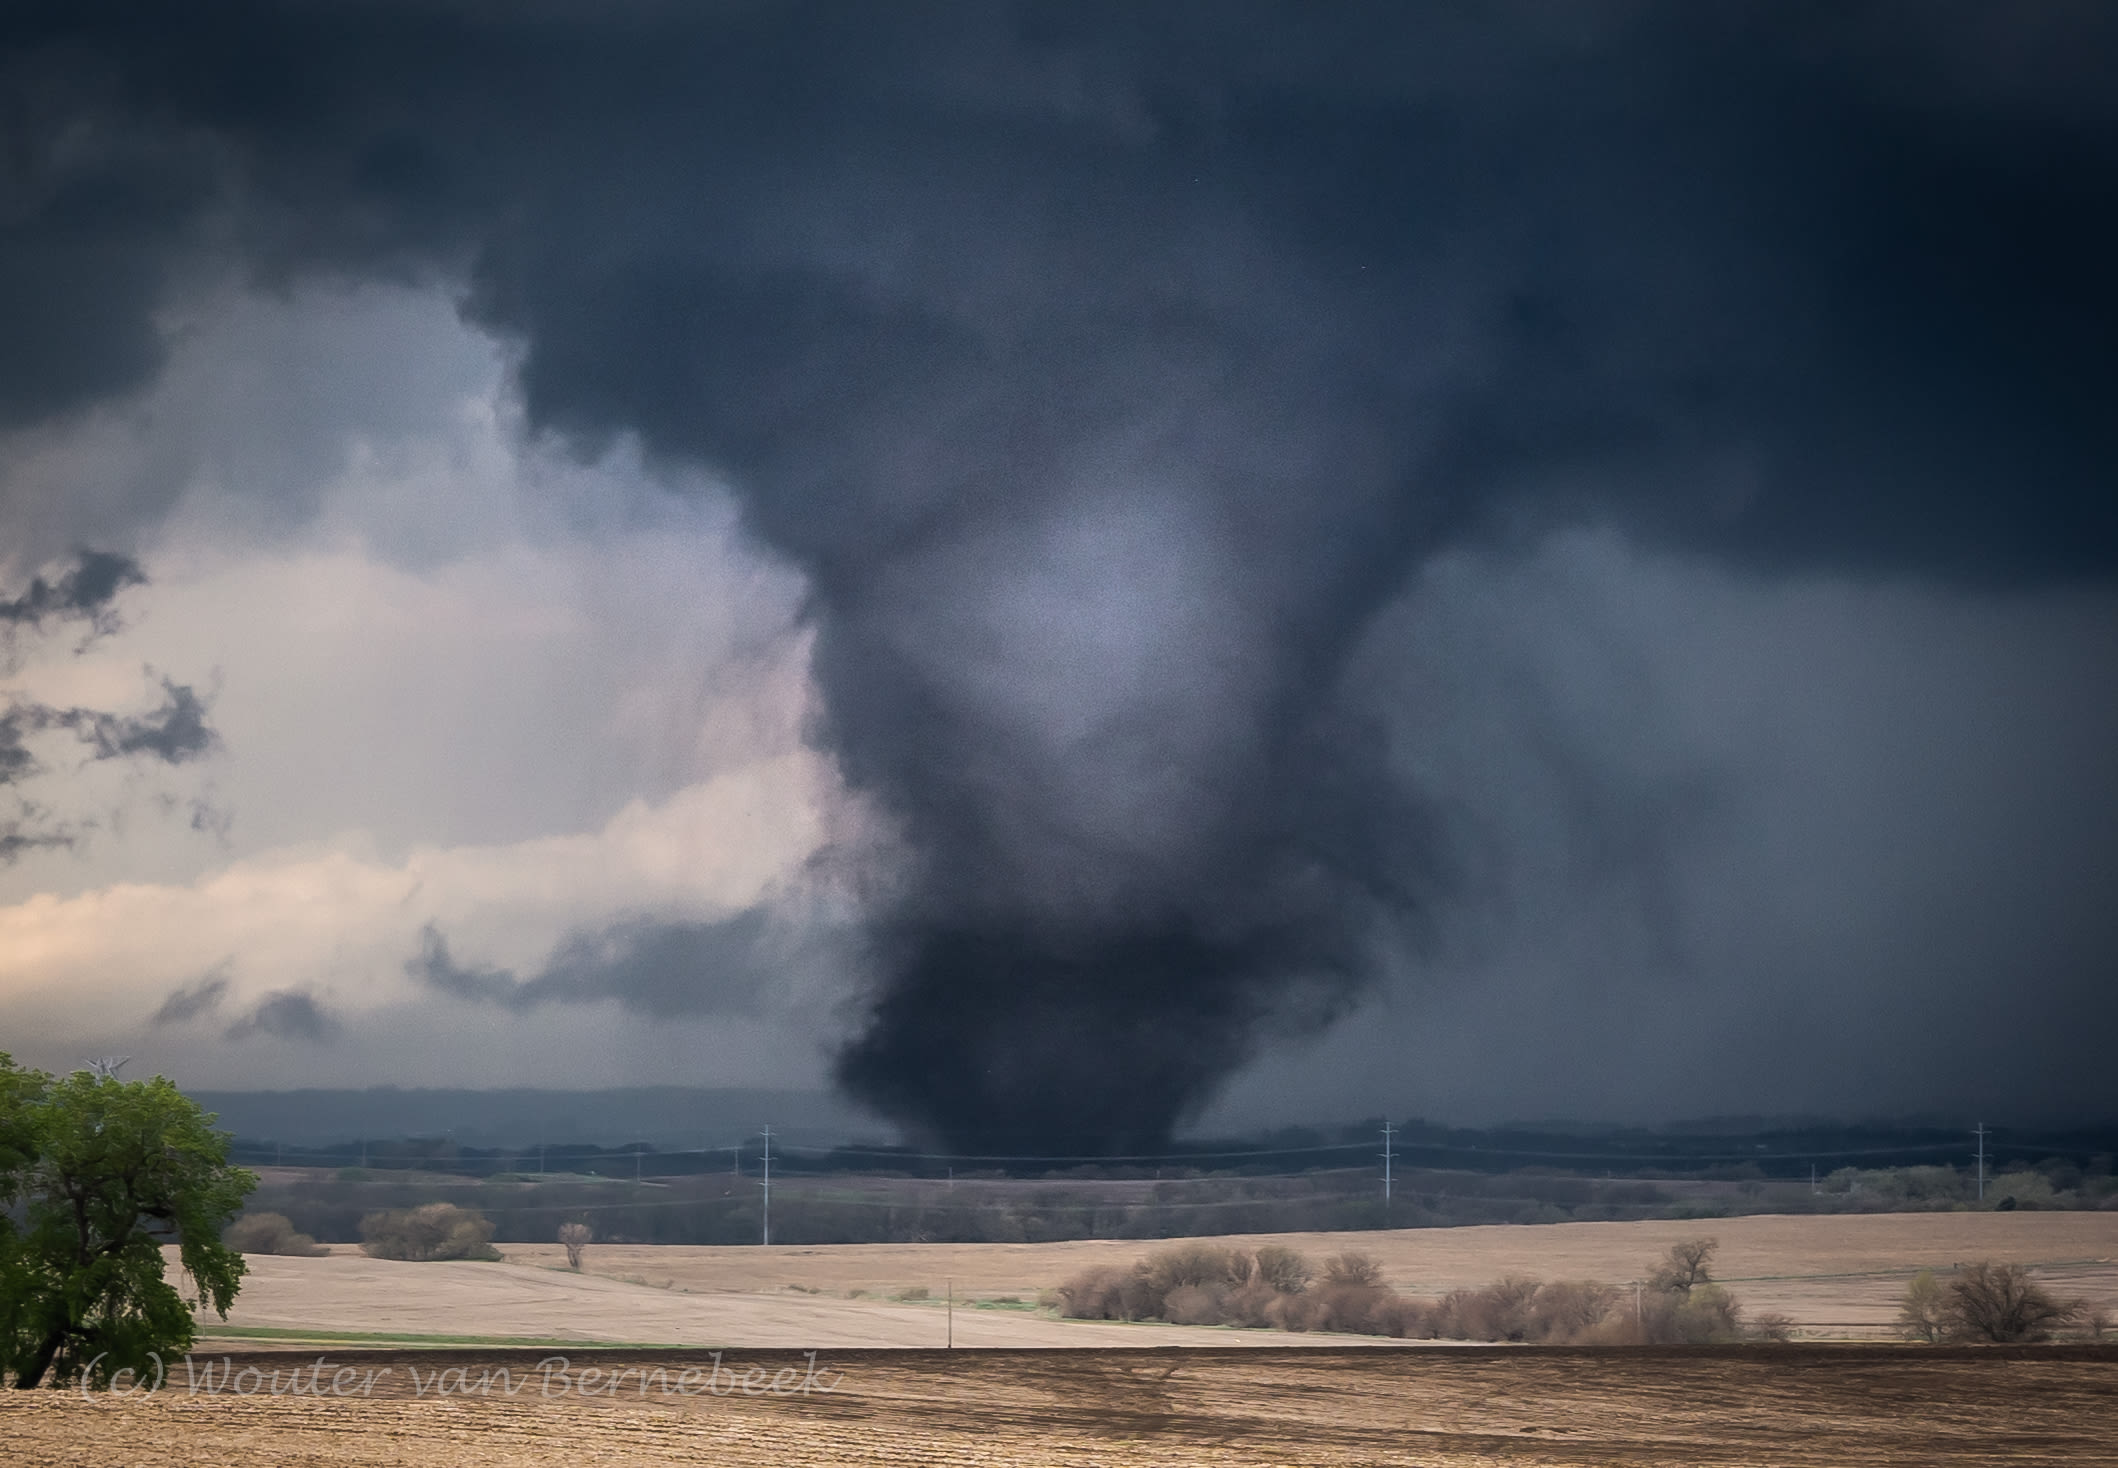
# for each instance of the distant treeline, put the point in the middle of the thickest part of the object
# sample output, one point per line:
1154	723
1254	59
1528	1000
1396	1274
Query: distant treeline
820	1206
1785	1154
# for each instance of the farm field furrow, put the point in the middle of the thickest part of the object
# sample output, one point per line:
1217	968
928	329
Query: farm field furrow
1788	1405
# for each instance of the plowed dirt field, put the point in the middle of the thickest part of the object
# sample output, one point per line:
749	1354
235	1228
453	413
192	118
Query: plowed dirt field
1788	1405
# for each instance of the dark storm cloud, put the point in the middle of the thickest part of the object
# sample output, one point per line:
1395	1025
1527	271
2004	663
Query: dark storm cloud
1109	369
654	968
25	830
1793	282
287	1014
15	759
83	592
188	1001
175	732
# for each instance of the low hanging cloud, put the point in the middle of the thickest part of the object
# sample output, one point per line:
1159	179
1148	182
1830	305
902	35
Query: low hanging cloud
187	1002
662	897
288	1014
655	968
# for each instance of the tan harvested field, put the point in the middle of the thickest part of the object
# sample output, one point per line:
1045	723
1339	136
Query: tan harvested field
354	1294
1799	1406
1835	1276
1280	1399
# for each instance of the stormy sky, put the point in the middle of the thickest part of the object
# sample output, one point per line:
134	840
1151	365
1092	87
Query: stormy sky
1072	570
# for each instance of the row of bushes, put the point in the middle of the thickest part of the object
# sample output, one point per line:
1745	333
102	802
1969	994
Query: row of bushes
1990	1303
270	1233
432	1231
1278	1288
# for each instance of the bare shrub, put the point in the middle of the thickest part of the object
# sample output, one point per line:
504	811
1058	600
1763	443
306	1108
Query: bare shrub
1346	1307
1291	1312
1510	1304
1192	1305
1566	1310
1252	1305
1563	1312
1140	1296
1770	1325
1209	1272
1198	1284
270	1233
1455	1315
1195	1264
1682	1305
2001	1303
1352	1268
1686	1266
1353	1309
1094	1294
1923	1311
1704	1315
431	1231
1615	1329
1402	1317
576	1237
1283	1269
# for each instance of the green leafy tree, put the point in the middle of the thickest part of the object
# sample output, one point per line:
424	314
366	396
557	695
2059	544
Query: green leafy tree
18	1088
99	1174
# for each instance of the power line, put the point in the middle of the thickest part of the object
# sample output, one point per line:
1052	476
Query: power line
1671	1159
856	1201
1658	1164
1676	1161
